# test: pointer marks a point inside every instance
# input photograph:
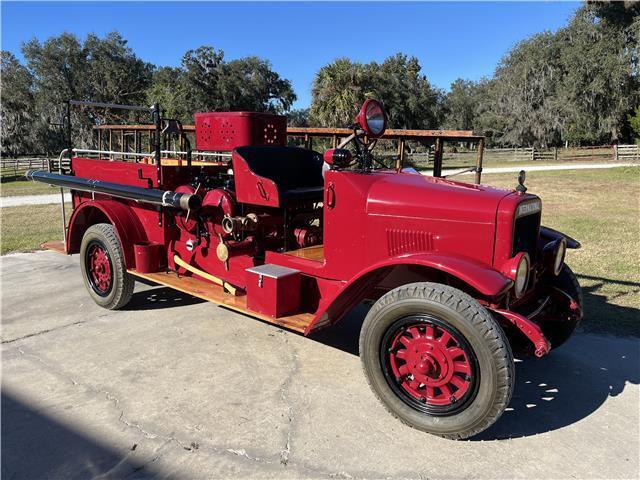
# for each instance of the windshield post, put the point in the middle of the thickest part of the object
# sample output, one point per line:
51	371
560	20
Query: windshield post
479	154
437	158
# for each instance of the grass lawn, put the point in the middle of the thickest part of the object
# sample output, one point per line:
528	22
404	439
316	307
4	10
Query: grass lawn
26	187
23	229
600	208
13	186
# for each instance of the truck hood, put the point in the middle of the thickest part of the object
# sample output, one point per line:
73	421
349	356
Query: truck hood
419	196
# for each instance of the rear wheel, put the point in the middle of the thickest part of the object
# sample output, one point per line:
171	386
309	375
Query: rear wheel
103	267
437	360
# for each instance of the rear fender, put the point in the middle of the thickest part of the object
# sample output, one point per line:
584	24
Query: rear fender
128	227
477	279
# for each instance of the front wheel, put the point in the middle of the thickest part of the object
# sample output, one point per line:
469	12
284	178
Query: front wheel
561	327
103	267
437	360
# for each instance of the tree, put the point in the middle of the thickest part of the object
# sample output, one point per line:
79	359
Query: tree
576	85
461	105
599	86
408	96
526	84
114	73
634	122
167	89
211	84
340	88
298	118
64	68
59	67
17	106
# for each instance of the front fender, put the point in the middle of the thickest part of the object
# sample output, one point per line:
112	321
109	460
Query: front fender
482	278
549	234
128	227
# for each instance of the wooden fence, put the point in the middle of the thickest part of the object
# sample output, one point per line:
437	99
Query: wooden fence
627	152
13	167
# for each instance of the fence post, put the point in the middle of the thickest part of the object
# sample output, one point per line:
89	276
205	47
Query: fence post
615	152
555	154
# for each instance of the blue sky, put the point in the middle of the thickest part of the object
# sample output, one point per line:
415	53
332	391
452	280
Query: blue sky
451	40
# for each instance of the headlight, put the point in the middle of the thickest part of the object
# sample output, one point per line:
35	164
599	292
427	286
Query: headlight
372	118
522	275
517	269
554	253
559	258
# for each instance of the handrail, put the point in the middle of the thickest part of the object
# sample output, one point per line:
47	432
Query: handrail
149	154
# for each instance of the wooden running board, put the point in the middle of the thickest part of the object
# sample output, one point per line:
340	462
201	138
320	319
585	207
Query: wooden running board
54	246
214	293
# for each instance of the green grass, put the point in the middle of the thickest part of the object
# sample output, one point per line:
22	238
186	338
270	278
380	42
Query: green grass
23	229
19	187
601	209
15	184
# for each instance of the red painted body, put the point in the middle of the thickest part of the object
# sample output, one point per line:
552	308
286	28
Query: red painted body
379	229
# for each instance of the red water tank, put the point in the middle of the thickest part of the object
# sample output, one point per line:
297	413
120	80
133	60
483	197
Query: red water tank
224	131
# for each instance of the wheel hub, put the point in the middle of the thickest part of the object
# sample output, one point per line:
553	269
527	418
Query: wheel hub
99	268
430	364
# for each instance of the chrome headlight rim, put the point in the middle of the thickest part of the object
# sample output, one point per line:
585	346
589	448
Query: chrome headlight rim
523	270
559	256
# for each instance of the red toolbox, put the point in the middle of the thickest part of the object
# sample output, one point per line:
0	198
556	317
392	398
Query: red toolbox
273	290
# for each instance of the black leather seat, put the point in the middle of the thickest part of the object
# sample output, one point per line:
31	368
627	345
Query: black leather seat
297	172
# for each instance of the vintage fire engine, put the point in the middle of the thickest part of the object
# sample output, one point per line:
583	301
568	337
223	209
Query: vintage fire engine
460	275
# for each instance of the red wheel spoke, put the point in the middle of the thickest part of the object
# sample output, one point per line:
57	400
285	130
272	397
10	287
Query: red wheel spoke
455	352
431	392
458	381
430	364
461	367
445	338
99	268
415	333
446	391
430	332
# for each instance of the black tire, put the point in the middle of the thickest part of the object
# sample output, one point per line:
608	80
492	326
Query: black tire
559	332
478	333
101	240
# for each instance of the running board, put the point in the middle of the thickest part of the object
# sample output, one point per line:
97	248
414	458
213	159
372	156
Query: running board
54	246
214	293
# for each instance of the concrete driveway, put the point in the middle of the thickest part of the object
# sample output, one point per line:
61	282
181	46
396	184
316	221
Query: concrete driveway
175	387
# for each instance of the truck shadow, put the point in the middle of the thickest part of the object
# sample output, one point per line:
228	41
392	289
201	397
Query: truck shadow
602	316
567	386
34	445
160	298
550	393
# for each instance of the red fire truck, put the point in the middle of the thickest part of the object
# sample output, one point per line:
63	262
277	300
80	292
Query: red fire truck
460	275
